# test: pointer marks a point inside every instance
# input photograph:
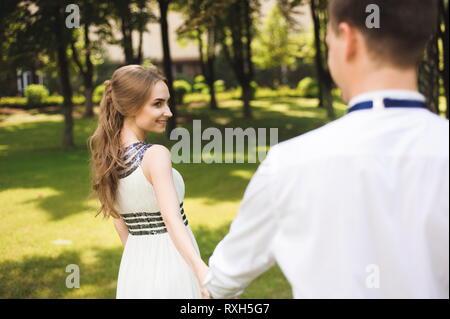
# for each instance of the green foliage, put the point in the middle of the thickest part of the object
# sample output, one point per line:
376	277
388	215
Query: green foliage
337	93
275	45
281	92
219	86
52	100
199	85
199	79
308	87
181	88
35	94
13	102
98	93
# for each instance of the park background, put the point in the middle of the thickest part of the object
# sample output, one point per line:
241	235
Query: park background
229	63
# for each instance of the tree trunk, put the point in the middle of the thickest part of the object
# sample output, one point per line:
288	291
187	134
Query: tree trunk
64	76
167	61
209	68
429	75
88	76
246	98
89	104
444	35
210	82
325	98
242	55
127	32
127	43
140	47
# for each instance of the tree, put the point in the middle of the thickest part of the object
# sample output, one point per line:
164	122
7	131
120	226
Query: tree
93	13
167	60
236	37
319	17
15	53
49	34
201	22
131	15
444	36
433	70
275	46
429	75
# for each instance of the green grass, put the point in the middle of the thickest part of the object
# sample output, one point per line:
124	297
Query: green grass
44	189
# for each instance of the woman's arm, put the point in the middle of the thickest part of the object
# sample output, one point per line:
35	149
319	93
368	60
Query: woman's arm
122	229
157	167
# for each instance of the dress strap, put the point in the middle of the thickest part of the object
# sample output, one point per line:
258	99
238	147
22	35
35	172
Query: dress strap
132	157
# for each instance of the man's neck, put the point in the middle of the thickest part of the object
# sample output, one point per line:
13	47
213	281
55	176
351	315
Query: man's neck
383	79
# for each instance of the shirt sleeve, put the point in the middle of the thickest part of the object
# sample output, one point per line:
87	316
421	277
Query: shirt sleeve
245	252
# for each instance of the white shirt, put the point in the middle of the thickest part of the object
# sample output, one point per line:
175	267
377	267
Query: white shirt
358	208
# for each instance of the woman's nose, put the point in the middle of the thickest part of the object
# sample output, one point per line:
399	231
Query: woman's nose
167	112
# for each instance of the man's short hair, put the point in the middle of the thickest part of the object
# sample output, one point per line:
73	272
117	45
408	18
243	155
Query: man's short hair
404	31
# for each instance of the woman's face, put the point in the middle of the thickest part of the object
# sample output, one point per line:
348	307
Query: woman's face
154	114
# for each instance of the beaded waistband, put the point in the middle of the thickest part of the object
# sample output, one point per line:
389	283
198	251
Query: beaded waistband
144	223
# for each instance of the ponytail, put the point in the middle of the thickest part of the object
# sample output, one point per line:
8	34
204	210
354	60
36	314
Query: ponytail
104	145
124	95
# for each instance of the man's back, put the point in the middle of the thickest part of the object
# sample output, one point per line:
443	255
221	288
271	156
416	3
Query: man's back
363	205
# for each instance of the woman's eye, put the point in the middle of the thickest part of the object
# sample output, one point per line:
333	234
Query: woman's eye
158	104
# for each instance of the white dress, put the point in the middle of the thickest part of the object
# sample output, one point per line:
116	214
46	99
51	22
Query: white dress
151	267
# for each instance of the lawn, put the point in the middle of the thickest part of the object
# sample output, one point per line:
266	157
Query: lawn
47	221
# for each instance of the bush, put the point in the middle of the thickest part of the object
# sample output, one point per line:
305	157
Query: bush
200	86
13	101
308	87
336	93
35	94
98	93
219	86
199	79
181	88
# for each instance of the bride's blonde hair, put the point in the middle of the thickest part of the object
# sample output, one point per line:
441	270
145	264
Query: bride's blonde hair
125	94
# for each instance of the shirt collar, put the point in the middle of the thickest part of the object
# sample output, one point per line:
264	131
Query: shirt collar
390	94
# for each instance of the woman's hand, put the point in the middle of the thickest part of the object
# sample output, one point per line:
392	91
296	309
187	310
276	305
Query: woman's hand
201	273
205	293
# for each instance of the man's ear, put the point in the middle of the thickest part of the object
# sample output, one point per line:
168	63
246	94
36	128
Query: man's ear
348	35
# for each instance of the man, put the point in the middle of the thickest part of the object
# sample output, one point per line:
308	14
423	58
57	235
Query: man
360	207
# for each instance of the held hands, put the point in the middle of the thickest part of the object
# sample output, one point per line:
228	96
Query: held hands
201	273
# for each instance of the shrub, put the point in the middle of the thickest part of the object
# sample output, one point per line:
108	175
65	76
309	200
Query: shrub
13	102
35	94
308	87
98	93
199	79
337	93
219	86
181	88
200	86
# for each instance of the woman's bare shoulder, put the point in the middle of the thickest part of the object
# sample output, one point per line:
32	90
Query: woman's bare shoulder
156	159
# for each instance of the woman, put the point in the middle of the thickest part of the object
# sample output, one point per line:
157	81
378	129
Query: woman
138	187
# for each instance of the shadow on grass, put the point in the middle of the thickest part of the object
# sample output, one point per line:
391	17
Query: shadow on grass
33	157
45	277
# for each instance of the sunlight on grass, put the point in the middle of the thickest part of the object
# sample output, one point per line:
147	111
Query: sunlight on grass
48	222
17	119
241	173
